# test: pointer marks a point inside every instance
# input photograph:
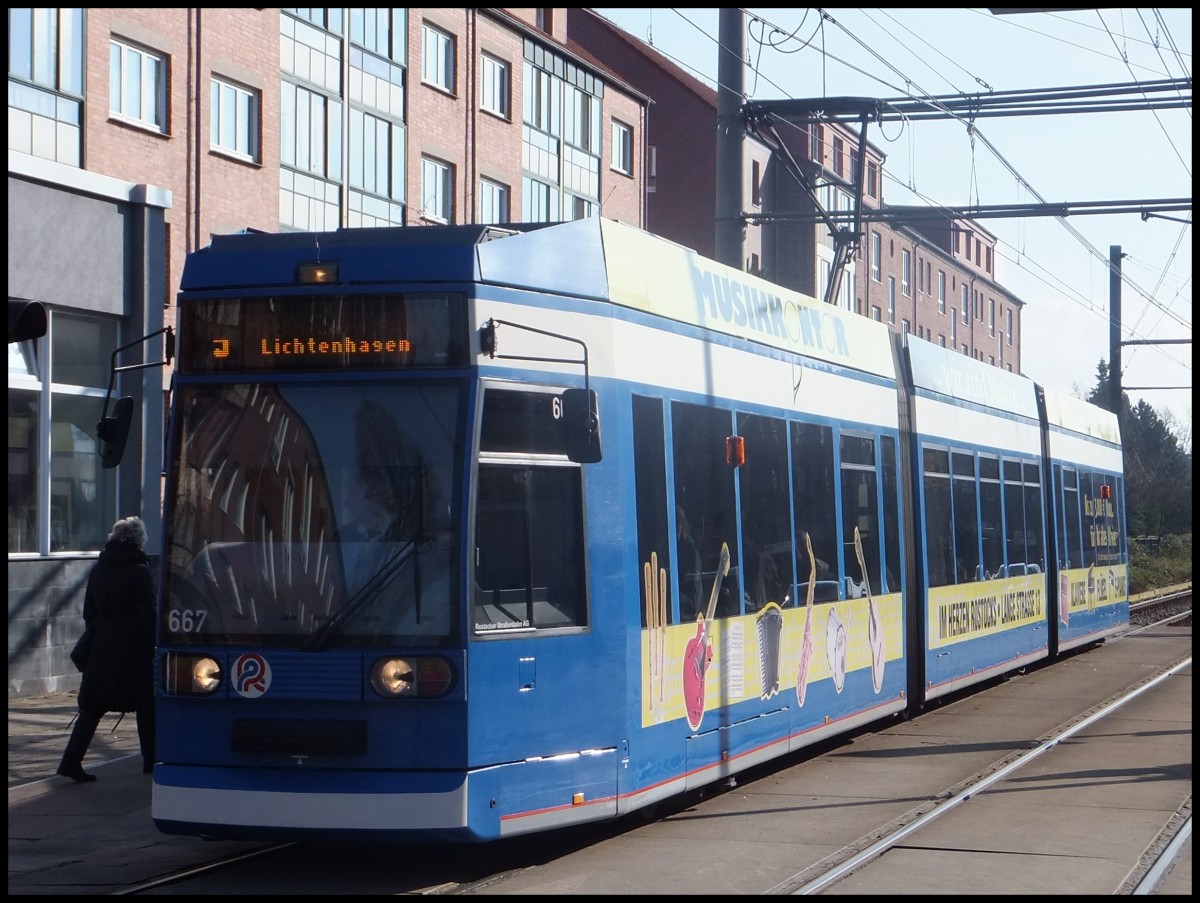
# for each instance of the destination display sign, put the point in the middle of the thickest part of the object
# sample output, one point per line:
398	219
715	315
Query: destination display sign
325	332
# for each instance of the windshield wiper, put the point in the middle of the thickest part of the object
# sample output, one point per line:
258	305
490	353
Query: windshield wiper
369	590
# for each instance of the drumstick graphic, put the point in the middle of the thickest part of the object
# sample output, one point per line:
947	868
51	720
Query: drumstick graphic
651	614
874	630
662	630
806	644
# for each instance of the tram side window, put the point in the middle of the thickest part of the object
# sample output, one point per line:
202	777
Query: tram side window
966	517
529	548
991	516
705	514
939	519
1014	519
1072	556
650	482
860	509
891	515
1100	544
529	544
815	504
1118	494
1035	545
765	511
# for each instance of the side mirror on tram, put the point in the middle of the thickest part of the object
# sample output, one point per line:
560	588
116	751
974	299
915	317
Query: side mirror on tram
581	425
112	432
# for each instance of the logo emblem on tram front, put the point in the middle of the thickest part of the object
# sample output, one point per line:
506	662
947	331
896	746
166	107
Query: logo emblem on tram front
251	675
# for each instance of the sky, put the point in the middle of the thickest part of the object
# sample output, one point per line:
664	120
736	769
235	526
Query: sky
1058	266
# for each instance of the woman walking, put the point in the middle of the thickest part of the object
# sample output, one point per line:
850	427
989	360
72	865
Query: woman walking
119	673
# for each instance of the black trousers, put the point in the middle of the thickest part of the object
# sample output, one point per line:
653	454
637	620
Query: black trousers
85	728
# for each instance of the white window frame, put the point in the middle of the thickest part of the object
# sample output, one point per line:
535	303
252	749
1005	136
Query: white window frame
622	147
891	299
234	133
906	273
876	257
941	291
151	87
437	58
493	202
495	92
437	191
966	301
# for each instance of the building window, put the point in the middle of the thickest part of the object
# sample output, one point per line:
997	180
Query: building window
966	304
756	183
1010	325
538	200
437	191
904	327
891	299
382	31
906	273
376	151
876	257
876	313
837	156
137	88
495	88
815	150
941	291
581	118
578	208
51	441
233	119
329	19
622	148
942	340
45	83
964	349
872	180
953	327
538	92
310	132
991	316
437	60
493	202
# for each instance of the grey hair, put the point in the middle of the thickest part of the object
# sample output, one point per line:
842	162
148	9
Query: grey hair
129	529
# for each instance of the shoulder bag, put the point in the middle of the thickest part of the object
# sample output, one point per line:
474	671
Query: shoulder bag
83	648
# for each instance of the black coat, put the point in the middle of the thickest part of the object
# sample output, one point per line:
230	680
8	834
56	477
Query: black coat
119	675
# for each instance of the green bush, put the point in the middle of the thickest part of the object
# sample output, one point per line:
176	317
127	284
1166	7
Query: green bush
1170	565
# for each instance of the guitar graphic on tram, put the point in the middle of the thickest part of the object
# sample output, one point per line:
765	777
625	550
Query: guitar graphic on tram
698	654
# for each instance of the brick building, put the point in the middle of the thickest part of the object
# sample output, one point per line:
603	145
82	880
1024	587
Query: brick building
136	134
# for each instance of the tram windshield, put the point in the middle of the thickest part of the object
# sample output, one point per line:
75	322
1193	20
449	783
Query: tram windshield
314	515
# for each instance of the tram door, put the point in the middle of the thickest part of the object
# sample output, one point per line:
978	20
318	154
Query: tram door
531	650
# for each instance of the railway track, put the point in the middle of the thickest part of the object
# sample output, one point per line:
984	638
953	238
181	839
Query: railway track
1172	606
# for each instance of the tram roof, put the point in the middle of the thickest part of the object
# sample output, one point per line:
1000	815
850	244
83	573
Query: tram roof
594	258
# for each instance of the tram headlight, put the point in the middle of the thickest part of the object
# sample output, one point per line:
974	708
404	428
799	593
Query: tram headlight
421	676
188	674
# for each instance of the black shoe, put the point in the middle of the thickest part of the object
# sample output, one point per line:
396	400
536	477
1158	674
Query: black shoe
75	773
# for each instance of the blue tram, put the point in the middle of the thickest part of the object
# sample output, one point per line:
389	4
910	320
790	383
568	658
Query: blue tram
475	531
